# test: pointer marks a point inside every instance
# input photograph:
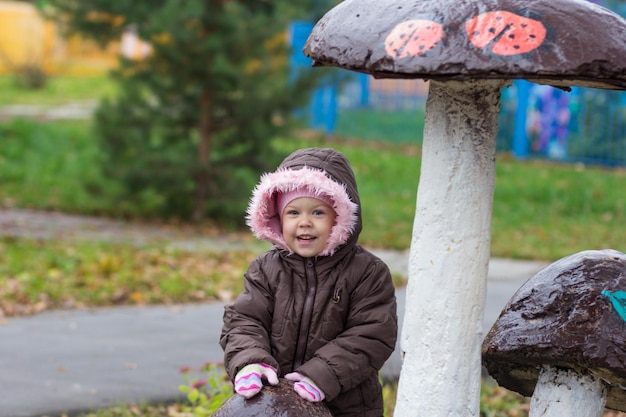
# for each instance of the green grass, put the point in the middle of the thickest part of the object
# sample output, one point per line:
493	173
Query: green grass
387	179
52	166
58	90
394	126
541	210
547	211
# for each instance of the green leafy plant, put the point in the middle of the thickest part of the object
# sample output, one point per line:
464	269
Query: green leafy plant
206	389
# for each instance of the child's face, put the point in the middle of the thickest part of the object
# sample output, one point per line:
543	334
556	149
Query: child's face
307	223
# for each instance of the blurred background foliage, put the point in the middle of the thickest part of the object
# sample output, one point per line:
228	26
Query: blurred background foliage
188	133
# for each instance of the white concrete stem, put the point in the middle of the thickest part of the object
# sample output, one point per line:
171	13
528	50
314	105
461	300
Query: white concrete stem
561	393
442	331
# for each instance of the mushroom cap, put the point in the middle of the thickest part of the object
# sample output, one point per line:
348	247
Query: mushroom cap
562	43
279	400
572	315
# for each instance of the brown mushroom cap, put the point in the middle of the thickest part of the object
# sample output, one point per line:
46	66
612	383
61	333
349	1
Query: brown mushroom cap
280	400
556	42
565	317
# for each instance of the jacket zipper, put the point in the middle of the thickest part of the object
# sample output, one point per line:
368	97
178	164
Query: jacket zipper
307	313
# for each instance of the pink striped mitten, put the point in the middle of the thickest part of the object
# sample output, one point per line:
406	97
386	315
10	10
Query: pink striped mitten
305	387
249	380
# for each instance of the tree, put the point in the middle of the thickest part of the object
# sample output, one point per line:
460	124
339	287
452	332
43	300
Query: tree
191	129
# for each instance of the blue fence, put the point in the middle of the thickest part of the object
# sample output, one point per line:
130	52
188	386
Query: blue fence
584	125
536	121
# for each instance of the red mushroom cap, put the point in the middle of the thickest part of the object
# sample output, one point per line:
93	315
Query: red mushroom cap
557	42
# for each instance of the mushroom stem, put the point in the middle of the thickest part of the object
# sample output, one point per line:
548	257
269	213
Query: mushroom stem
561	392
449	256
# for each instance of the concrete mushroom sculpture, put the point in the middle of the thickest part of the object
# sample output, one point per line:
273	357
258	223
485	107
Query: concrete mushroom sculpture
561	338
469	50
273	400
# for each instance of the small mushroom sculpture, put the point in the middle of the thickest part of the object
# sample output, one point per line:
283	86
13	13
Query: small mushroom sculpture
562	337
273	400
469	51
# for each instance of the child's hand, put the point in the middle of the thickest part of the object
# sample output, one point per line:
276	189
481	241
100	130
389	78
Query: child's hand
249	380
305	387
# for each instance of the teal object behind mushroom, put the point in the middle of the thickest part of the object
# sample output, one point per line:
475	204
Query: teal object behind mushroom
618	299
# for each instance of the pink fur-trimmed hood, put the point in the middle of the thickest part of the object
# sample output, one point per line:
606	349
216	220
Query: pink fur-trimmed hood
323	171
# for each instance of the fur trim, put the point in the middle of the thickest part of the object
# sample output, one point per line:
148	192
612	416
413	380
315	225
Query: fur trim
263	217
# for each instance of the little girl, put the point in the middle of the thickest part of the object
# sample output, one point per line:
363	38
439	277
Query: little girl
317	309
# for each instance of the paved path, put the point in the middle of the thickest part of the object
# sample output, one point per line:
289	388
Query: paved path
76	110
71	361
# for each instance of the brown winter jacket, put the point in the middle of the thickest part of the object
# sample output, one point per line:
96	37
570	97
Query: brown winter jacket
332	317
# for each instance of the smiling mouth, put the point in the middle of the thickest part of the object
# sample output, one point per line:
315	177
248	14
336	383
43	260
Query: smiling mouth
307	238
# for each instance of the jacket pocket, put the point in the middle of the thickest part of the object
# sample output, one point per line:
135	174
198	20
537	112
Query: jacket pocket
335	313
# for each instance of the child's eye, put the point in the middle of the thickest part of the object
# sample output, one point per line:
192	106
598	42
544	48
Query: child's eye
318	212
292	212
